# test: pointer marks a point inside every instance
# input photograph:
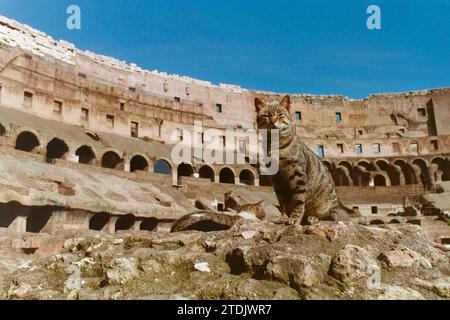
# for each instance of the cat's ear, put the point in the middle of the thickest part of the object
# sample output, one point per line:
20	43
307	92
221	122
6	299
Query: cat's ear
258	104
286	102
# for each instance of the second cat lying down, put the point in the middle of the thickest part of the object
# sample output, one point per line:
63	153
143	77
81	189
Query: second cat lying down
215	221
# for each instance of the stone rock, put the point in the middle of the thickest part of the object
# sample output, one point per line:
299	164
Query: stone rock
393	292
439	286
20	290
122	270
403	257
204	204
248	235
202	267
295	271
330	230
352	264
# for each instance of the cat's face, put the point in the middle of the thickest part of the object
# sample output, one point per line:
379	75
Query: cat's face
274	117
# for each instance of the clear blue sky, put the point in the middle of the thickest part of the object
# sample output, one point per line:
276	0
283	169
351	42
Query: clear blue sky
311	46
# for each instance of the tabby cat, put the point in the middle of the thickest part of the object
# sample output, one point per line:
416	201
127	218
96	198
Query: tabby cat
303	184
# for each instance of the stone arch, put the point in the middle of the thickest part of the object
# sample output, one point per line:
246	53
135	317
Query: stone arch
125	222
162	166
408	172
379	180
247	177
444	167
342	177
149	224
99	221
367	165
56	149
9	212
85	155
27	141
226	175
394	221
185	170
111	160
423	172
329	165
206	172
377	221
38	219
361	177
138	163
392	171
2	130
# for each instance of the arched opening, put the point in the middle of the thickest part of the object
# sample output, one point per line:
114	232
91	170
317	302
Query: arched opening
444	167
264	181
2	130
56	149
408	172
246	177
163	167
328	165
185	170
99	221
38	219
375	222
27	141
394	221
9	212
138	163
367	165
341	177
348	173
111	160
206	172
379	181
125	222
149	224
391	171
424	175
85	155
226	176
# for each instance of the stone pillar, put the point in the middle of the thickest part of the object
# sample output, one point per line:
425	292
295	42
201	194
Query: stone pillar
236	180
19	224
216	179
163	227
257	182
111	225
175	178
73	158
127	167
137	225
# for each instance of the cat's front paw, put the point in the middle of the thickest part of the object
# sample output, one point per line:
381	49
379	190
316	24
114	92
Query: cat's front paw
295	221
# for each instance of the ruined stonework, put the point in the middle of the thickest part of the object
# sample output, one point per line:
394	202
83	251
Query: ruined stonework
85	152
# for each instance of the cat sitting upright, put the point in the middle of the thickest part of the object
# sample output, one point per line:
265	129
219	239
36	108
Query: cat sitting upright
303	184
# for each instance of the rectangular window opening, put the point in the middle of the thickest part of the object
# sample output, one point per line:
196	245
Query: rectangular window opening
57	106
134	129
84	114
110	120
359	148
320	152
